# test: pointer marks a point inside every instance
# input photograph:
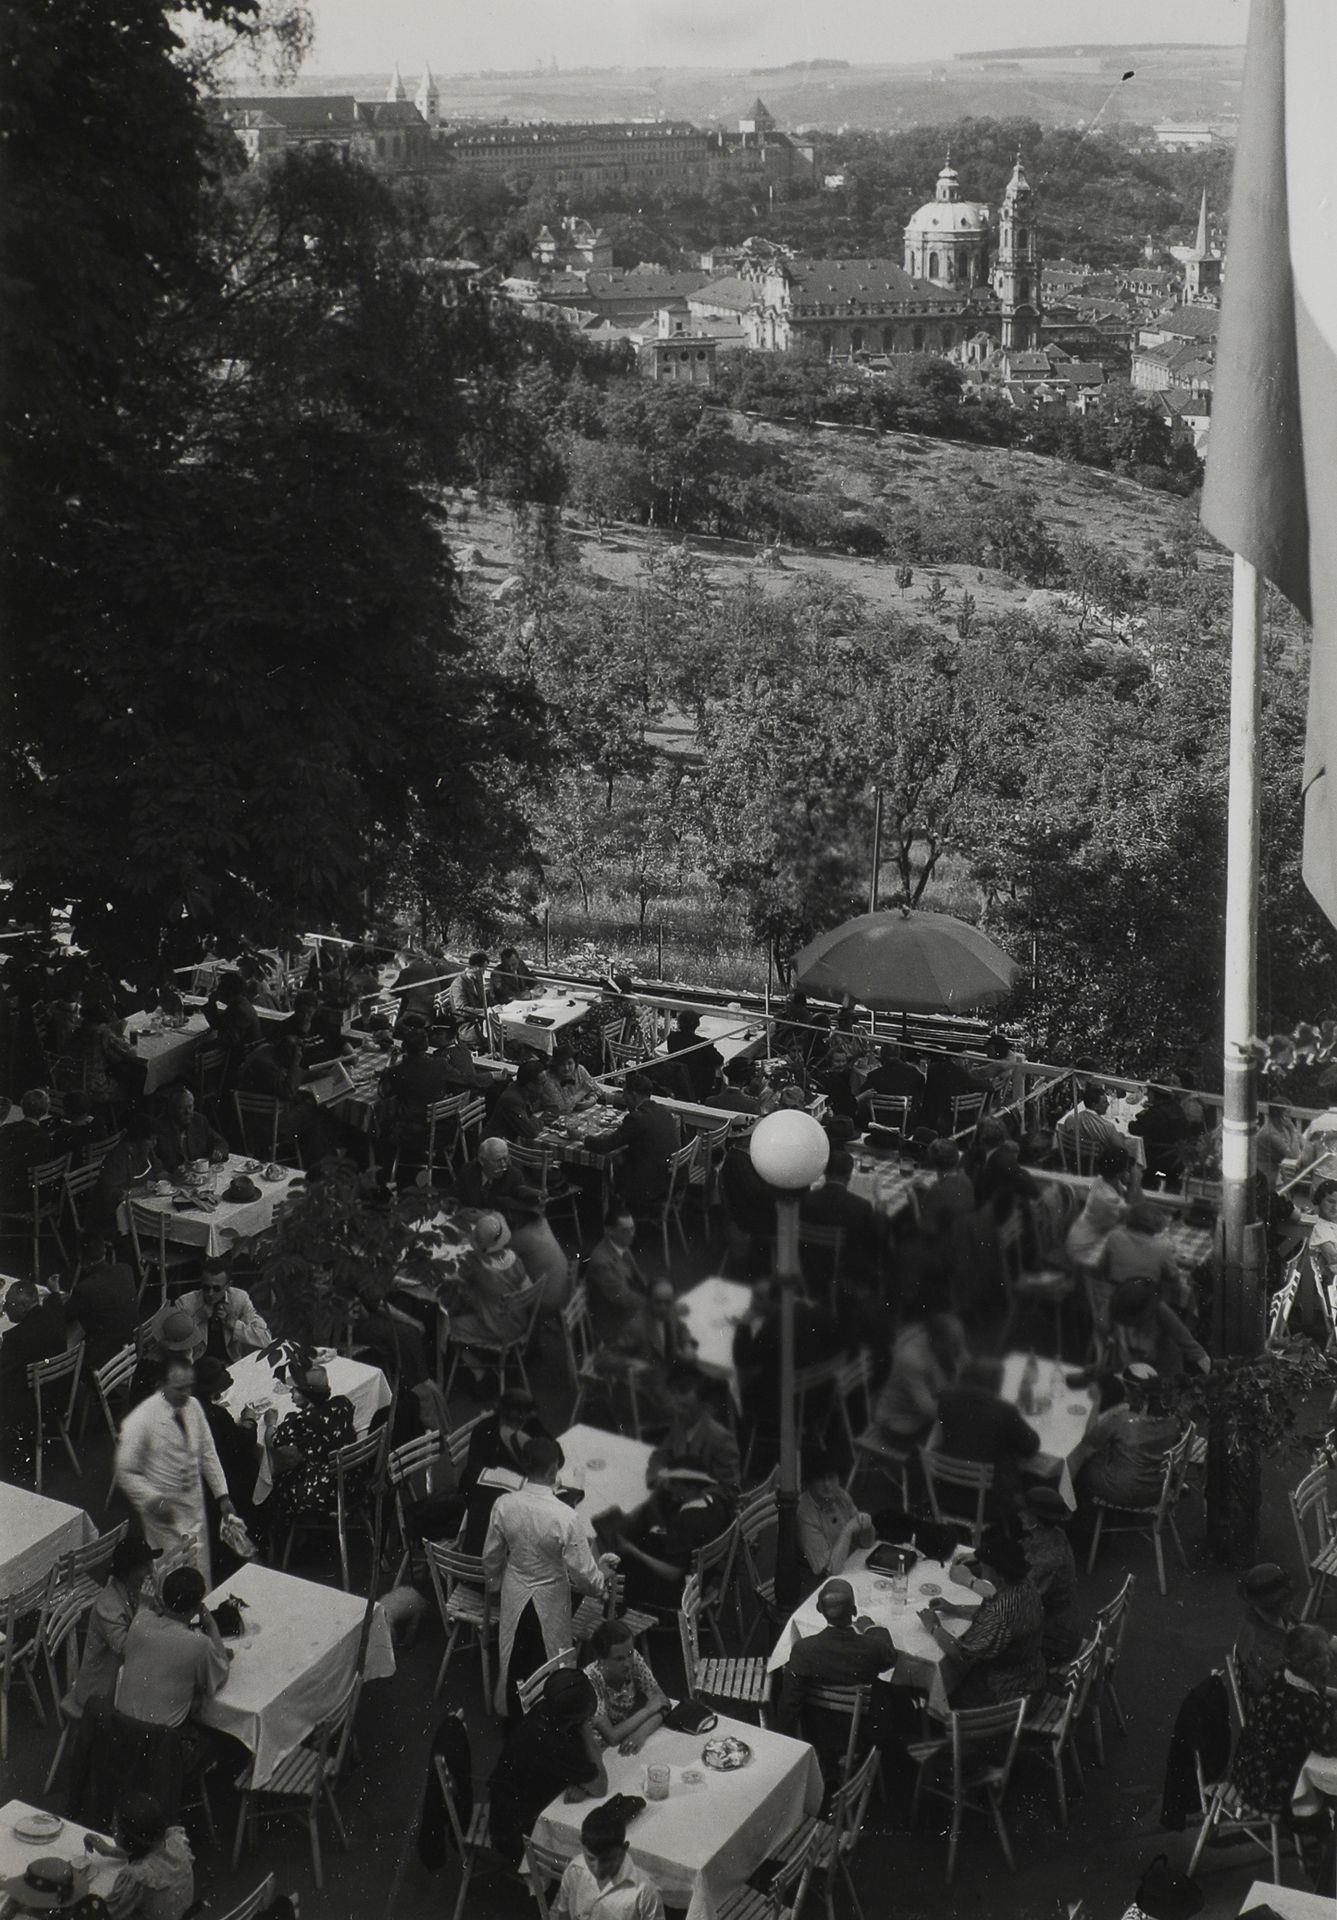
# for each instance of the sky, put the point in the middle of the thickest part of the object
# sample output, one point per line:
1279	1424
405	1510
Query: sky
355	37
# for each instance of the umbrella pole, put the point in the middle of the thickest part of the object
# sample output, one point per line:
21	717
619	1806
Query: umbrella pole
877	851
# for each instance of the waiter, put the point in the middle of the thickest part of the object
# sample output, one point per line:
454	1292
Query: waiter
537	1551
165	1457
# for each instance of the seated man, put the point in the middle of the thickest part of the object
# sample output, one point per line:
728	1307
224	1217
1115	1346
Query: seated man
614	1282
603	1882
417	1080
892	1078
231	1014
700	1061
696	1439
274	1071
174	1659
104	1301
443	1038
25	1144
37	1332
1084	1133
848	1652
517	1115
185	1135
511	979
646	1137
468	1001
226	1322
658	1541
1136	1251
976	1423
743	1087
552	1749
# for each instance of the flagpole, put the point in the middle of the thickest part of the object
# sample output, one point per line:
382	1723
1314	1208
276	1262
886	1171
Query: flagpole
1240	1323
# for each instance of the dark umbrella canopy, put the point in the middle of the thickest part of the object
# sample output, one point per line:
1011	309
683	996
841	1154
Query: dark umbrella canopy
907	962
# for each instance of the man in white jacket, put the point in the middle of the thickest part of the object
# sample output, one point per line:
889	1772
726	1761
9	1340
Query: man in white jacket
165	1457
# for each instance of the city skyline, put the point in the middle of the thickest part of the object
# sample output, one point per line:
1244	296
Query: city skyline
513	35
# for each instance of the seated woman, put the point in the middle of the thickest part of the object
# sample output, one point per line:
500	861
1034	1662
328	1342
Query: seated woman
493	1183
1002	1650
1323	1234
631	1701
1293	1718
304	1444
1041	1519
492	1284
157	1869
566	1086
1268	1593
1123	1454
1143	1329
830	1526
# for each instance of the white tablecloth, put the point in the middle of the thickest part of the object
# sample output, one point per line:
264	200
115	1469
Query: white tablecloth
711	1312
706	1838
164	1052
733	1036
230	1220
294	1662
34	1533
610	1466
516	1019
1290	1902
919	1661
882	1183
16	1855
254	1385
1061	1423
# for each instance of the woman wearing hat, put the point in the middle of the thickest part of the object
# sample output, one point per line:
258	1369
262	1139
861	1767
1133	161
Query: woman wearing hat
493	1183
1041	1521
305	1443
1293	1718
48	1886
157	1877
492	1285
1001	1650
1260	1645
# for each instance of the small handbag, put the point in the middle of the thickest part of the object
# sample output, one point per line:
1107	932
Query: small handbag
691	1716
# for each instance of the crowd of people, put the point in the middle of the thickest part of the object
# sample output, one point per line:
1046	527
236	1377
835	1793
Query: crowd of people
917	1289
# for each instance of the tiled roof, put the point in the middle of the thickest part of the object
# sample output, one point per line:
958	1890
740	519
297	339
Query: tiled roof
299	112
833	283
1188	323
730	291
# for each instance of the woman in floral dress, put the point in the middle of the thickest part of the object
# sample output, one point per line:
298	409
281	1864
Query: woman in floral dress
1293	1718
305	1443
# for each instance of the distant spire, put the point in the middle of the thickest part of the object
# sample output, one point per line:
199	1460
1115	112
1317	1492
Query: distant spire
1200	244
395	90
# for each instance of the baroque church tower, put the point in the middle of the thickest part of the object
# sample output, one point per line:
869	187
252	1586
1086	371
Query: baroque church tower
1016	278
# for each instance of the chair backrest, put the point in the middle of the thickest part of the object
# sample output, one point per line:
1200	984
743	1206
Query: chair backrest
112	1376
535	1163
543	1865
404	1463
530	1691
61	1619
93	1562
148	1228
258	1118
943	1469
1112	1620
625	1053
980	1732
1309	1511
457	1440
45	1377
97	1153
689	1626
30	1606
255	1903
852	1704
450	1567
852	1383
966	1110
443	1780
849	1803
47	1182
1176	1465
330	1738
1234	1689
448	1109
714	1557
78	1185
1076	1680
208	1072
789	1883
361	1456
890	1110
577	1333
1283	1300
680	1164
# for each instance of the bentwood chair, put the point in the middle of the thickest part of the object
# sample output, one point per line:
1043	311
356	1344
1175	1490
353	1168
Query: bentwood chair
980	1749
302	1783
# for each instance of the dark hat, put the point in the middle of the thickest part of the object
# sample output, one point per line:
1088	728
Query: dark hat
211	1376
1004	1554
132	1556
569	1695
1048	1502
43	1886
1264	1581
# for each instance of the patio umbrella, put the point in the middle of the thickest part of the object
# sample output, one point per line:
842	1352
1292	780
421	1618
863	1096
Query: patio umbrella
907	962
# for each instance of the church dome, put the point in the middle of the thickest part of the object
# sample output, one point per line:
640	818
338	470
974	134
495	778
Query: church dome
947	213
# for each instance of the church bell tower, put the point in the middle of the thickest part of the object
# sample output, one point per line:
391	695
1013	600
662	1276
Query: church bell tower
1016	277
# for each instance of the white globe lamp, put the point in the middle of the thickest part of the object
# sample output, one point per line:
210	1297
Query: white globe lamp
789	1150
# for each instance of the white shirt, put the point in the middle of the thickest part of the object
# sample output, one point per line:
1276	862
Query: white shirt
159	1458
629	1895
537	1539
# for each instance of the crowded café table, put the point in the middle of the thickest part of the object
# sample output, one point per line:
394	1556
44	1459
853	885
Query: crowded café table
894	1601
164	1044
256	1384
542	1022
713	1828
293	1662
734	1036
711	1312
568	1136
34	1533
610	1467
29	1834
203	1217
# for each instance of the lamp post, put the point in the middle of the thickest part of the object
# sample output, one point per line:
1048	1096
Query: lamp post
790	1151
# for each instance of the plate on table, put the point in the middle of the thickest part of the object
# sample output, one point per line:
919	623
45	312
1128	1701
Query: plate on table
726	1754
162	1187
929	1586
275	1172
1079	1406
38	1827
596	1465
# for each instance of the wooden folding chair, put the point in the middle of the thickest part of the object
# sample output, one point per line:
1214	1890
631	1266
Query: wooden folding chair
537	1164
302	1783
408	1473
1149	1520
943	1470
22	1624
679	1167
110	1381
787	1884
1111	1628
712	1565
465	1603
530	1691
1312	1520
471	1842
525	1309
966	1110
54	1385
890	1110
1052	1719
544	1868
356	1469
981	1746
258	1116
156	1254
46	1203
443	1119
78	1184
735	1682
